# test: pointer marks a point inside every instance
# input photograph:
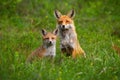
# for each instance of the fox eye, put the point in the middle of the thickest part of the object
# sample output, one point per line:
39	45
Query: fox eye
47	38
53	38
67	21
60	22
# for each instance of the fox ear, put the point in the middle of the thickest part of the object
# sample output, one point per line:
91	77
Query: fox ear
71	14
55	32
57	14
44	32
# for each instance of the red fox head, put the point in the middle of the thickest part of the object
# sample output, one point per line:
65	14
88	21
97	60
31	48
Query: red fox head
49	38
65	22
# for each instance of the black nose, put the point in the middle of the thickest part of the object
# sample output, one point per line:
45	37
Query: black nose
63	26
50	42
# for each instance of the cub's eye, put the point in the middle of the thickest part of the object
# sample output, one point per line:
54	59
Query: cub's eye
47	38
53	38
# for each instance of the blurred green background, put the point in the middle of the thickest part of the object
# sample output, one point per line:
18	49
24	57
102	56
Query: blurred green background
98	27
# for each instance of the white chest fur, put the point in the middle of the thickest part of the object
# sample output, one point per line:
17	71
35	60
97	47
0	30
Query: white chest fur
67	39
50	51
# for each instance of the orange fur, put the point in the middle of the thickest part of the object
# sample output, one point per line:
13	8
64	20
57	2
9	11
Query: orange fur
66	21
48	48
38	53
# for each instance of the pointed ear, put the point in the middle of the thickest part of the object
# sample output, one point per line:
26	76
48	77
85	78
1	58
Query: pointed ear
44	32
55	32
71	14
57	14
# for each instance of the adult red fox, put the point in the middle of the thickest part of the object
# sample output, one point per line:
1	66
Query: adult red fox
69	43
48	48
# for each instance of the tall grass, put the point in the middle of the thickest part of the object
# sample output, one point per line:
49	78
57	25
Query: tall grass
94	21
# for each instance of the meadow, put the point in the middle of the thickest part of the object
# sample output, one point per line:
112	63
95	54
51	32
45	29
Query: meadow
96	21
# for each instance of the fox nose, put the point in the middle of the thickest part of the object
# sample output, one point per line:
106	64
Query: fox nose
50	42
63	26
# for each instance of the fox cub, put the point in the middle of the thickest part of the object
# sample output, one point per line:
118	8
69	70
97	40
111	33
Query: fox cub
69	43
48	47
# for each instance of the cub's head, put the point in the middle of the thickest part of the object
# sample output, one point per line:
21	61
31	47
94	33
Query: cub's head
65	22
49	38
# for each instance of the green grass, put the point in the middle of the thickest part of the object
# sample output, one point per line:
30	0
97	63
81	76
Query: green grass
94	21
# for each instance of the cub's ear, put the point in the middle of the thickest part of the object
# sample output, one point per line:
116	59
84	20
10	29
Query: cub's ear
44	32
71	14
55	32
57	14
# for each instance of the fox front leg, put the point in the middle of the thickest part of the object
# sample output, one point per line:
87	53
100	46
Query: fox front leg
71	44
63	49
